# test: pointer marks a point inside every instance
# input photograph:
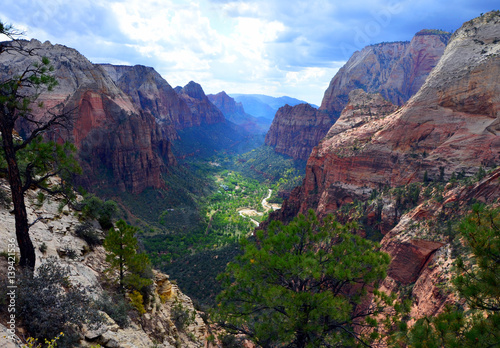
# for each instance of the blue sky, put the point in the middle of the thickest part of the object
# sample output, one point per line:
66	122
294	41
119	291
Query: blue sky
273	47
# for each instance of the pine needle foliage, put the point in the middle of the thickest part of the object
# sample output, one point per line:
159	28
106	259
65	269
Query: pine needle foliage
303	285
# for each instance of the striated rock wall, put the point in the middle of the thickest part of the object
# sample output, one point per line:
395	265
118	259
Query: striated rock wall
452	122
395	70
449	126
297	129
153	94
118	144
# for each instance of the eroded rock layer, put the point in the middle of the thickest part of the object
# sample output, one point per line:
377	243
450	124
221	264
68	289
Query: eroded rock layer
118	144
395	70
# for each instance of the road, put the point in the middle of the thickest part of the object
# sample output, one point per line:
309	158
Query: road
247	212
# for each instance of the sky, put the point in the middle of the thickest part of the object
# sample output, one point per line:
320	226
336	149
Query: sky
272	47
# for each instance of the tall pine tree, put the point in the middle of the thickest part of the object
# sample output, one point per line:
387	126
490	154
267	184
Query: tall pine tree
303	285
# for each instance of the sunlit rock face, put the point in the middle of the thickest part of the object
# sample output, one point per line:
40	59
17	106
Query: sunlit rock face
396	70
451	122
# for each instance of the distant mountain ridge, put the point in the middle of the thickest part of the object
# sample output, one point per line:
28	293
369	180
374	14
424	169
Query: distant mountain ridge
235	112
260	105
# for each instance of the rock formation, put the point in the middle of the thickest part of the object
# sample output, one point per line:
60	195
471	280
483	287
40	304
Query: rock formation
55	231
153	94
297	129
449	127
199	105
452	122
395	70
118	144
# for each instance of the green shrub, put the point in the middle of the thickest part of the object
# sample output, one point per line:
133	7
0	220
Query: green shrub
48	304
116	307
136	300
182	316
88	233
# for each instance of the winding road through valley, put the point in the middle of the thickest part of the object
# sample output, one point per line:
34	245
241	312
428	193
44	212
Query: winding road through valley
249	213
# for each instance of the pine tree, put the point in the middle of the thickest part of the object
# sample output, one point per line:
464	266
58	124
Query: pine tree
302	285
134	269
29	161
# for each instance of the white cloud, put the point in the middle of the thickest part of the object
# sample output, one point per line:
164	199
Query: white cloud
276	47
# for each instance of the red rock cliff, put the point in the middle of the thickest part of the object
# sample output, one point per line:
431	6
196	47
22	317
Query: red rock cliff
118	144
154	95
297	129
453	123
395	70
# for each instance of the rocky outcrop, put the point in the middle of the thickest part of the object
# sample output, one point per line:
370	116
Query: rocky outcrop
54	237
396	70
118	144
234	112
204	112
450	126
297	129
440	126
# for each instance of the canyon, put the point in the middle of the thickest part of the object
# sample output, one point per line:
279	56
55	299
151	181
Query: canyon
398	118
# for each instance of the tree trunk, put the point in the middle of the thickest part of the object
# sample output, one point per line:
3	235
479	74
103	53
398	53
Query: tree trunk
28	257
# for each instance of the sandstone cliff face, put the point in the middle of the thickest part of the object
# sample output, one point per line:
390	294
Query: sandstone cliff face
56	230
449	126
395	70
297	129
153	94
117	143
204	112
451	122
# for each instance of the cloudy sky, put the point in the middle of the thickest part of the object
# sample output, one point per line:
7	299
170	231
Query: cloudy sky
273	47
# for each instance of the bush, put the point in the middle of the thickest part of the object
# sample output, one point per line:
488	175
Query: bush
88	233
49	304
116	307
136	300
182	316
94	208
